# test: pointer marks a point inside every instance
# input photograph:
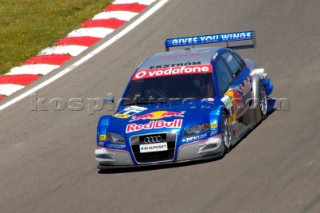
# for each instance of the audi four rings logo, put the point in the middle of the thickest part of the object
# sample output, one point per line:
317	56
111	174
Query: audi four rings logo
153	139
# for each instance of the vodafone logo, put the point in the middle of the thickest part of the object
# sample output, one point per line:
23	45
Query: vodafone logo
184	70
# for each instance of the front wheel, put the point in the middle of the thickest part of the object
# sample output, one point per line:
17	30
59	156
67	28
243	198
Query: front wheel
225	133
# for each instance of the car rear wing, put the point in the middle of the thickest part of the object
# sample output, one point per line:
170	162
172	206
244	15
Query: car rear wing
215	38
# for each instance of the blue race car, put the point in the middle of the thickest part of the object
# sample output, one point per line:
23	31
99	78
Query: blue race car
186	105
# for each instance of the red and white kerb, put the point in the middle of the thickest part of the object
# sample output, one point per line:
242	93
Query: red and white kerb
77	41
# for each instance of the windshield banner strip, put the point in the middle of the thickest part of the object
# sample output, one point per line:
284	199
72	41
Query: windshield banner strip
172	71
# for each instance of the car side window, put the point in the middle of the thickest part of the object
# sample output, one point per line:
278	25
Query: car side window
239	59
232	62
223	75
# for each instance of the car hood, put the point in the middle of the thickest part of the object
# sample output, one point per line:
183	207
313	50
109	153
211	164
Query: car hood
151	118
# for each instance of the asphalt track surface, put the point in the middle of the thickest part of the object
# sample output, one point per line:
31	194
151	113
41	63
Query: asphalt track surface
47	158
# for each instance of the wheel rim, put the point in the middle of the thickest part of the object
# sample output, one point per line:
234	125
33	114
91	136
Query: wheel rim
225	131
263	101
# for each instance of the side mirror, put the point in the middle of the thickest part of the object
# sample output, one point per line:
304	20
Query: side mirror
109	100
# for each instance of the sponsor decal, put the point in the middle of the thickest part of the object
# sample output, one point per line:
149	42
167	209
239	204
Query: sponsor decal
180	56
158	115
103	137
162	72
185	41
194	138
101	144
160	124
229	105
159	147
208	99
237	36
237	103
214	125
237	100
115	146
211	38
175	65
134	109
245	86
129	111
227	102
122	116
213	133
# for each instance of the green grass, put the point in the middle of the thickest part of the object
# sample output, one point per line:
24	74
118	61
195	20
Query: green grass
28	26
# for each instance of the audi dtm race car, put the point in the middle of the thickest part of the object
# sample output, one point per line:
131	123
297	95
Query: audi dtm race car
186	105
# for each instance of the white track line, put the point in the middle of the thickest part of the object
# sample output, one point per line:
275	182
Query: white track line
8	89
94	52
34	69
146	2
121	15
98	32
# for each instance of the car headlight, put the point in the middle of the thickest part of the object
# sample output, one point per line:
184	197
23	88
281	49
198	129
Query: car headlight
115	138
196	129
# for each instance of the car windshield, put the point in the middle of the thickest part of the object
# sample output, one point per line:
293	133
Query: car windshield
169	88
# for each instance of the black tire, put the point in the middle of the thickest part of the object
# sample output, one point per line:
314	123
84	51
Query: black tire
225	133
263	102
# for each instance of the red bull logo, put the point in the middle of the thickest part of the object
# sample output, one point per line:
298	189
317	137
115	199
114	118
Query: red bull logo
161	124
237	100
158	115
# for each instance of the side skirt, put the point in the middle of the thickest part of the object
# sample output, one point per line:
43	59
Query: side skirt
239	130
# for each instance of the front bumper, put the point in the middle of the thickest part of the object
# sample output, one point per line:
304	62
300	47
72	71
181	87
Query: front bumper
209	148
112	157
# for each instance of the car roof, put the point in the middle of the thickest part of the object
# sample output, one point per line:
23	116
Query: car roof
193	56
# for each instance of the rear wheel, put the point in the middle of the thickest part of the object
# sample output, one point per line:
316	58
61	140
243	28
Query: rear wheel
225	133
263	102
